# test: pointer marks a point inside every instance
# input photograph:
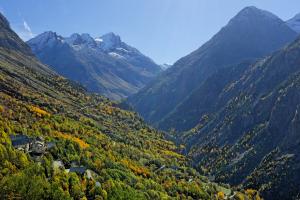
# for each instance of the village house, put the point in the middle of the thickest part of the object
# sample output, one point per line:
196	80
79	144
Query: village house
83	171
21	142
34	146
77	170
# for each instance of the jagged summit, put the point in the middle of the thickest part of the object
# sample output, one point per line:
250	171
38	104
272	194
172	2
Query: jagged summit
107	42
48	38
81	39
111	36
46	35
110	40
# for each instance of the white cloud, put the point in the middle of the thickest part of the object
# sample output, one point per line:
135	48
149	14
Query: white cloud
23	30
27	28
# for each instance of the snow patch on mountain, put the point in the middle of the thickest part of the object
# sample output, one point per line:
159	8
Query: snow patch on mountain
98	40
109	44
115	55
165	66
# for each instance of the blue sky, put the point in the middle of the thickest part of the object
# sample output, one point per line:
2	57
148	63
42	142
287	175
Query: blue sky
165	30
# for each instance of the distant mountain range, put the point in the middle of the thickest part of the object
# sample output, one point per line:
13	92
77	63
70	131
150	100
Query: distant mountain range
105	64
173	100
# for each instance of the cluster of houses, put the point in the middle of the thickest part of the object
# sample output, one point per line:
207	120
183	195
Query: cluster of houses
34	146
37	147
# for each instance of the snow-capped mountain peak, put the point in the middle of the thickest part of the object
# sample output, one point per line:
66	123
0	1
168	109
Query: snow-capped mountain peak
48	38
109	44
45	37
102	64
294	23
81	40
109	41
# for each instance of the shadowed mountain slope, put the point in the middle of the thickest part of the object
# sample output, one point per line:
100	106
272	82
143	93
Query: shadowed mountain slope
251	34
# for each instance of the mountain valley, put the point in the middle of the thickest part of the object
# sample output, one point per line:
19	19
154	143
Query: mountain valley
85	117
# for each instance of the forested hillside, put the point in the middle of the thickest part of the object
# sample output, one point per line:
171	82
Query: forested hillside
250	132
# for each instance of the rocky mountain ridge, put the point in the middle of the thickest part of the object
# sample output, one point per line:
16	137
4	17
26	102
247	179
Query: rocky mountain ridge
103	64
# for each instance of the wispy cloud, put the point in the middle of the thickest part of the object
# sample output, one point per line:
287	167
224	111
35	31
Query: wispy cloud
23	30
27	29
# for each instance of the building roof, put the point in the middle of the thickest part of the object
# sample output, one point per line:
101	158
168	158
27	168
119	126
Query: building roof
18	140
80	170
